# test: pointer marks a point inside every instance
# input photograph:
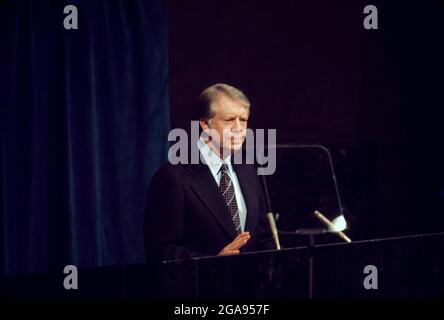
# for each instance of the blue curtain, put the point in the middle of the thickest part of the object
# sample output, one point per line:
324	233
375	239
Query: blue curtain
84	124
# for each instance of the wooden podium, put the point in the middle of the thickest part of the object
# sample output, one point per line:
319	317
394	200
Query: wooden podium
402	267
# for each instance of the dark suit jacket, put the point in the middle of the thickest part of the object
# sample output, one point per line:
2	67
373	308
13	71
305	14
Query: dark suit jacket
186	215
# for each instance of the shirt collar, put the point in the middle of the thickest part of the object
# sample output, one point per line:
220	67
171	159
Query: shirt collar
212	159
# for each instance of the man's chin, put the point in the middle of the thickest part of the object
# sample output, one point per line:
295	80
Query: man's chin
233	147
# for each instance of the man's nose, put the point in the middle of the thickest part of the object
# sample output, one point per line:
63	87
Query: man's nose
237	124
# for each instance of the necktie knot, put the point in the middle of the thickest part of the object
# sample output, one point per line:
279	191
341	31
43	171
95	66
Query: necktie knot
224	168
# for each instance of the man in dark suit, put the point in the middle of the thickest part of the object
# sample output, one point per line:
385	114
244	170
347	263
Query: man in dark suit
214	207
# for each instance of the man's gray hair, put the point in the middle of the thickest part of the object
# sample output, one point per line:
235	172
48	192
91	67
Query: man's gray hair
205	103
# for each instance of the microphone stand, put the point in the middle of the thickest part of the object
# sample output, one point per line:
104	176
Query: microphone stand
270	215
310	232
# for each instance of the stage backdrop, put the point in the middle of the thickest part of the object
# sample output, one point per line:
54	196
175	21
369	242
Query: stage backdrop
84	123
374	97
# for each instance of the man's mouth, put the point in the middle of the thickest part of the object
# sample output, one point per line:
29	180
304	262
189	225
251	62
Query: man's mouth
237	139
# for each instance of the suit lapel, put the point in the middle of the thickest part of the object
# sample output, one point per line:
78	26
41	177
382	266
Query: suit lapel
208	191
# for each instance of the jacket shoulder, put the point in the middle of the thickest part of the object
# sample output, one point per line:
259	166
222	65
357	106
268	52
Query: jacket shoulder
172	173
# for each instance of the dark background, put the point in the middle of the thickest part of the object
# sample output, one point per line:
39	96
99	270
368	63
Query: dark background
311	70
84	124
84	114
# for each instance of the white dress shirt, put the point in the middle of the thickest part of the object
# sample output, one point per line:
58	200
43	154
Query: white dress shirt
215	163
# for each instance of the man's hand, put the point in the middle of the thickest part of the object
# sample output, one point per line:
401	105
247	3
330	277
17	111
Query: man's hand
234	246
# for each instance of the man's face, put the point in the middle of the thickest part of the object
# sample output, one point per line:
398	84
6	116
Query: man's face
230	123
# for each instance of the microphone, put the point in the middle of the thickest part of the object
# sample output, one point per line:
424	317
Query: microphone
331	226
270	215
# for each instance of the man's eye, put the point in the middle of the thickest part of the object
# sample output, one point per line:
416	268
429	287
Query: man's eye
244	119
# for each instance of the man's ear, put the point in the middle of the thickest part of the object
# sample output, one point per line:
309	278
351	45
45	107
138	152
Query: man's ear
205	134
204	125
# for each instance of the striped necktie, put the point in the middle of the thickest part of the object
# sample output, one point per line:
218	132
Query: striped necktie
227	189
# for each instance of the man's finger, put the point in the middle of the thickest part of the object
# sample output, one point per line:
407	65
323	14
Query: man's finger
242	236
229	252
236	244
241	243
239	238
